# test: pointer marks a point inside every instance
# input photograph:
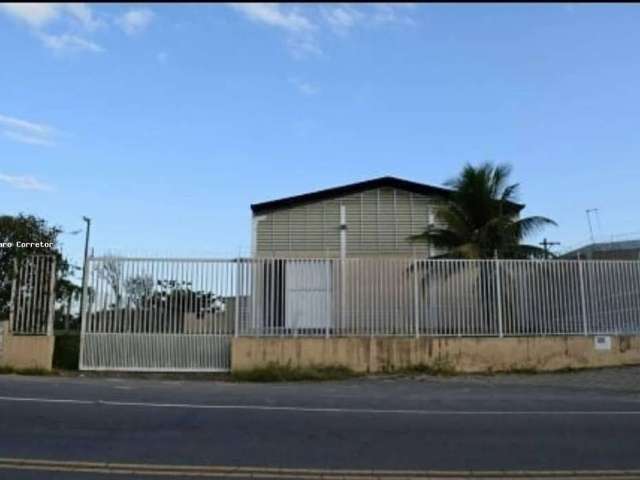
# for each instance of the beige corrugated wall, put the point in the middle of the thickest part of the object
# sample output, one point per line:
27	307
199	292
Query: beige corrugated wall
379	222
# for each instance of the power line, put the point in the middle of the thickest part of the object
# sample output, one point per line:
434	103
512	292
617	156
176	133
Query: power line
546	244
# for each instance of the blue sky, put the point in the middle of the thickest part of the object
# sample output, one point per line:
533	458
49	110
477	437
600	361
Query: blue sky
164	122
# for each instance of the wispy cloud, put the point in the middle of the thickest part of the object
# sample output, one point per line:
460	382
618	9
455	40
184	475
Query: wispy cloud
39	15
25	182
68	18
306	25
273	14
26	131
299	28
306	88
35	14
135	21
342	18
162	57
69	43
83	13
390	13
26	138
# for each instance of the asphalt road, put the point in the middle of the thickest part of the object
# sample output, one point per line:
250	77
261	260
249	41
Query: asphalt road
366	424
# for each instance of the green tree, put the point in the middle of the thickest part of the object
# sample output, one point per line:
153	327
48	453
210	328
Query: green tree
139	288
481	218
28	229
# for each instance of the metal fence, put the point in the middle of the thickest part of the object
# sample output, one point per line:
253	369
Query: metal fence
32	302
179	314
390	296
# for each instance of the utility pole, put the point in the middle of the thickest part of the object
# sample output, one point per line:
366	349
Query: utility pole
84	266
546	244
589	210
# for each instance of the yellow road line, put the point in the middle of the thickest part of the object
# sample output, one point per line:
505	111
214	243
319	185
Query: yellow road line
214	471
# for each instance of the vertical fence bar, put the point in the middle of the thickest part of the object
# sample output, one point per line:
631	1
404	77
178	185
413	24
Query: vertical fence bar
83	311
52	297
583	301
416	310
499	298
236	323
14	294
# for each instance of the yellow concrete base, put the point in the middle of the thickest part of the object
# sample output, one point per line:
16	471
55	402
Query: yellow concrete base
27	351
471	354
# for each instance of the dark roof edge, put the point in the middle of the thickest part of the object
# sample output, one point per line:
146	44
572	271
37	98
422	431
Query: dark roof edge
264	207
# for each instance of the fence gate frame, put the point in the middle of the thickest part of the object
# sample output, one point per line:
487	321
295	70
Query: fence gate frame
181	319
32	303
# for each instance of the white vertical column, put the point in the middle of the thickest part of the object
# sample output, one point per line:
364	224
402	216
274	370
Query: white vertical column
343	256
236	327
416	310
52	297
499	297
583	303
14	293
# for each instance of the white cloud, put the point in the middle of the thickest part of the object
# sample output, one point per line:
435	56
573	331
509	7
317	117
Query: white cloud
35	14
342	17
305	25
39	15
26	132
26	138
83	14
392	13
25	125
303	87
274	14
24	182
299	28
69	42
135	21
68	17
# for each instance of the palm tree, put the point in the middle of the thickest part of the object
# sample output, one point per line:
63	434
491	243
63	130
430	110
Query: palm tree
481	218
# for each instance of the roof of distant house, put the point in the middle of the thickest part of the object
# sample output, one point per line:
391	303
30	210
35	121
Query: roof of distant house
604	247
394	182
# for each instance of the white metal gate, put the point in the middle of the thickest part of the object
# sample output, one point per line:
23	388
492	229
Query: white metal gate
308	294
32	304
146	314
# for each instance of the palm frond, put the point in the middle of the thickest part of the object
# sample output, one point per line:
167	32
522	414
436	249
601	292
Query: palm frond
527	226
478	219
510	193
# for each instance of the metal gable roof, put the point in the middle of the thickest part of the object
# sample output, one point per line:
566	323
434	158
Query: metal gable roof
387	181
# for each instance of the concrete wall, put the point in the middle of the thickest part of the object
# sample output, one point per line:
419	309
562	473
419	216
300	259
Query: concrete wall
25	351
459	354
3	330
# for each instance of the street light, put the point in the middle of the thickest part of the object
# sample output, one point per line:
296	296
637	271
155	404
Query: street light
84	265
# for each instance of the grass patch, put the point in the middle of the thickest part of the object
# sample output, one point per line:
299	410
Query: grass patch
66	352
286	373
534	371
25	371
441	367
